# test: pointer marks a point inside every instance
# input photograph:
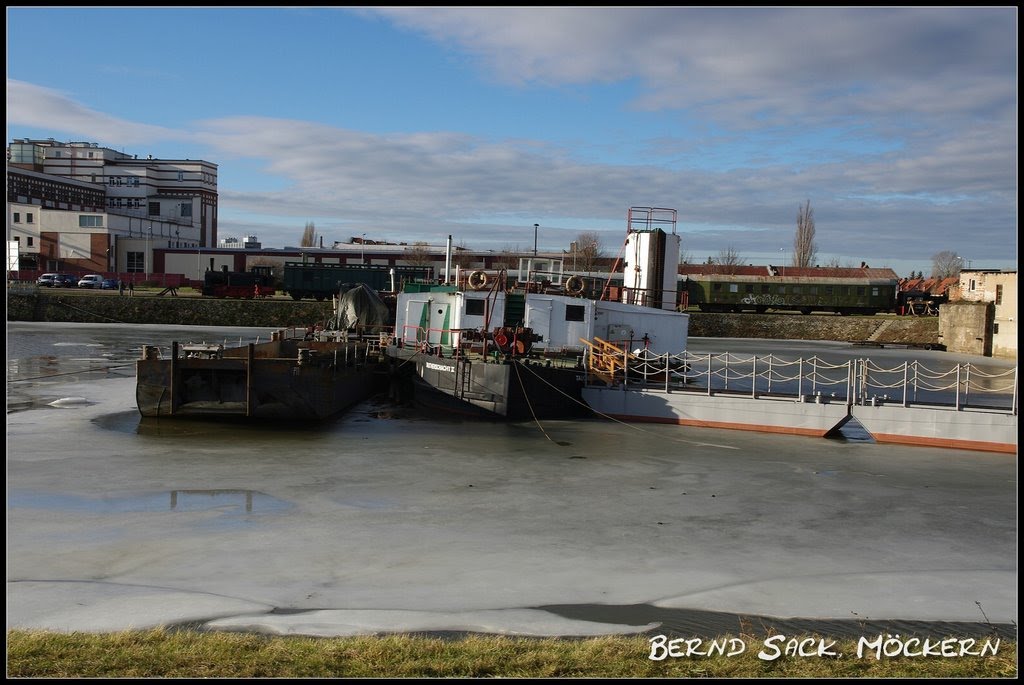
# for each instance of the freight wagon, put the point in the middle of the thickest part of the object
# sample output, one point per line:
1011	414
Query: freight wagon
738	293
322	281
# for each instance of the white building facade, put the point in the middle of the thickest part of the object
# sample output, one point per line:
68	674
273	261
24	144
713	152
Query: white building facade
77	206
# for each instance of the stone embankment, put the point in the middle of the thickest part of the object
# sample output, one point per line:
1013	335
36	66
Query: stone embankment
912	330
36	305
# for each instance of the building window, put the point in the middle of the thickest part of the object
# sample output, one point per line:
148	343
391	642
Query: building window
17	217
574	312
17	238
136	262
716	287
749	287
186	209
999	294
475	307
734	287
874	292
28	217
30	241
90	221
181	175
971	284
995	329
154	209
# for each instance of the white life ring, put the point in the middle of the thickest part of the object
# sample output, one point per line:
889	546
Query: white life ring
477	280
574	285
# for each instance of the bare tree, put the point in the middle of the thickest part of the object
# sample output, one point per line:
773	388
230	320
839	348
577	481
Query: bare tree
946	264
586	251
685	257
835	263
804	249
418	254
308	235
729	257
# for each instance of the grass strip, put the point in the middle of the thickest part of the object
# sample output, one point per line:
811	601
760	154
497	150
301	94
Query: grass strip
180	654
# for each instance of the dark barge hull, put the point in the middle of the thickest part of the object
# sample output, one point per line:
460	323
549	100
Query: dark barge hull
280	380
517	390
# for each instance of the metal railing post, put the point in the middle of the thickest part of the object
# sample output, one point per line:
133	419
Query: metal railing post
957	403
709	373
967	386
906	368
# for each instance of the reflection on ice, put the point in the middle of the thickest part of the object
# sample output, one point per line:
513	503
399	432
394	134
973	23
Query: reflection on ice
227	501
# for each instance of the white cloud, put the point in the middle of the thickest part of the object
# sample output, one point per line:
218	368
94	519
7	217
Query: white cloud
39	107
735	63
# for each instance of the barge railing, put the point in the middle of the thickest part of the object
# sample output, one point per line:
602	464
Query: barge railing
855	382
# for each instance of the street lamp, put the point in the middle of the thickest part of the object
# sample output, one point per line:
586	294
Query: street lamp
535	227
782	258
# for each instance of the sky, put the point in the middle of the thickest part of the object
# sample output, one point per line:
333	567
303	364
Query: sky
897	125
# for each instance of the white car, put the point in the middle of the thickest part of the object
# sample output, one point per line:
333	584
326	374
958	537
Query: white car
91	281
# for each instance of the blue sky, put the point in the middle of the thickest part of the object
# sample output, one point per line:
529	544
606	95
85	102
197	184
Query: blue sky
899	125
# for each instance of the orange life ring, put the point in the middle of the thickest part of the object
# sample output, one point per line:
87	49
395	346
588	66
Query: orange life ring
574	285
501	340
477	280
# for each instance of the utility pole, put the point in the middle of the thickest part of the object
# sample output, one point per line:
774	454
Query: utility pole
535	227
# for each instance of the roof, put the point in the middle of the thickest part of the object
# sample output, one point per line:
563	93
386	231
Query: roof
935	286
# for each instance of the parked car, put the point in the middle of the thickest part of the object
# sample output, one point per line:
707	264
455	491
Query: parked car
46	280
65	281
109	284
90	281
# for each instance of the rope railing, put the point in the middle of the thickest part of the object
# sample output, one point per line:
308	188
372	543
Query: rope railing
857	381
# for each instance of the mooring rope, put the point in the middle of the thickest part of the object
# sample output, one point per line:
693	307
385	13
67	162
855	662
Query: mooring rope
72	373
530	404
621	422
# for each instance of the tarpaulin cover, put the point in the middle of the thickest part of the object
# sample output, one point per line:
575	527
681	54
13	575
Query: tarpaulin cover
361	306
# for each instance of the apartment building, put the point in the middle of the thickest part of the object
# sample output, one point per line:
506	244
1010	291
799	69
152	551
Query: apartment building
79	206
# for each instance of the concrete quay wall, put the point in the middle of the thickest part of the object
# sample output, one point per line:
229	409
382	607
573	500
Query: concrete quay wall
147	308
881	329
167	310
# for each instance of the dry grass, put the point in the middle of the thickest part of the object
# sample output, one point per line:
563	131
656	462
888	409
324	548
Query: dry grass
166	654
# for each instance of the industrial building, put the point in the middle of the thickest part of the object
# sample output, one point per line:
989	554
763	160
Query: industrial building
79	207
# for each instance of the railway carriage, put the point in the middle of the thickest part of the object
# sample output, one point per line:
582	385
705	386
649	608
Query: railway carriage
805	294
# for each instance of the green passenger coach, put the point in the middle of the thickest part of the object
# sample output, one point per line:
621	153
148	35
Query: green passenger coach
740	293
